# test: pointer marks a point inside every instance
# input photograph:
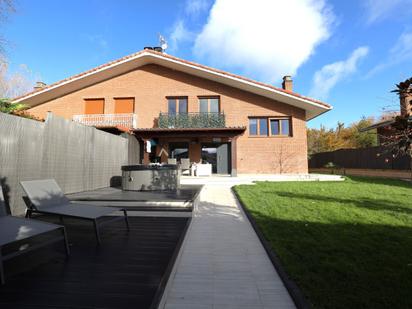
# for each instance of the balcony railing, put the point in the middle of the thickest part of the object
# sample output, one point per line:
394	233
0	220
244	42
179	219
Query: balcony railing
108	120
191	120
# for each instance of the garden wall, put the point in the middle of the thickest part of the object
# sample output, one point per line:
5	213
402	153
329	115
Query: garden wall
79	157
361	158
386	173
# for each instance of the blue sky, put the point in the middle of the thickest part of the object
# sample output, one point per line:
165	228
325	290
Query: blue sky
347	53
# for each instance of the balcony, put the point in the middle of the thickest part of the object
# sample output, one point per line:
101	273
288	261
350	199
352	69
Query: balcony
108	120
191	120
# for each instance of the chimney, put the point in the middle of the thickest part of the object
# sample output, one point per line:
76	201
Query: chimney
287	83
39	85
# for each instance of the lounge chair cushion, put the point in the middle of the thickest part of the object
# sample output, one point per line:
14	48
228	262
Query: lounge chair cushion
47	197
80	210
13	229
44	193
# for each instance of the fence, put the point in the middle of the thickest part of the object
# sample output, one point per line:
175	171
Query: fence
364	158
79	157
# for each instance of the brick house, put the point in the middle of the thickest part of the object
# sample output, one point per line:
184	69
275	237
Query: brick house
188	110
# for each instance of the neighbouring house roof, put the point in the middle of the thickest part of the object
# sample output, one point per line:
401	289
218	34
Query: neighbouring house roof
120	66
377	125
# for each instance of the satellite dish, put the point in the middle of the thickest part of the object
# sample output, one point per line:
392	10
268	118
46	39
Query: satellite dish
162	42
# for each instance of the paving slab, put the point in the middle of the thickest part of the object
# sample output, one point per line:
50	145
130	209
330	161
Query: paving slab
222	263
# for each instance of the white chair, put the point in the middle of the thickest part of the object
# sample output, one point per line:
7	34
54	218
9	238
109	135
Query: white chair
185	166
204	169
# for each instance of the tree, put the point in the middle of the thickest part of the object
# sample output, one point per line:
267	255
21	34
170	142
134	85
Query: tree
7	107
6	7
16	83
399	140
323	140
403	88
20	81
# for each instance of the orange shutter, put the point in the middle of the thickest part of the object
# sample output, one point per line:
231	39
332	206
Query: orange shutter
94	106
124	106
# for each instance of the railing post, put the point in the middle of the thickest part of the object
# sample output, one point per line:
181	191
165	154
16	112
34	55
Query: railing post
134	121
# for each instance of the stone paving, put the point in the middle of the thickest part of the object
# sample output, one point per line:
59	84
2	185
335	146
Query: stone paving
222	262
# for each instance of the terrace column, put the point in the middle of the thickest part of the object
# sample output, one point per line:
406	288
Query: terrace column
146	159
233	152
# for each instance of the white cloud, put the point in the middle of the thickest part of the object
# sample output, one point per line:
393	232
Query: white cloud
378	10
399	53
194	7
329	75
265	39
179	34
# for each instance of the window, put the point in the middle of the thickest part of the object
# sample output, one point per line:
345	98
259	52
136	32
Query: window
285	126
265	126
123	105
209	105
274	127
177	105
94	106
258	126
253	126
279	126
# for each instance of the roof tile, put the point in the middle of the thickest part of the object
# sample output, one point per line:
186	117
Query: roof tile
176	59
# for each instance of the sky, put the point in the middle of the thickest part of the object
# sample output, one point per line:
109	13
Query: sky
349	53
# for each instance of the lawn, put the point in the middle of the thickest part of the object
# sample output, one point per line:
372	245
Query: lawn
345	244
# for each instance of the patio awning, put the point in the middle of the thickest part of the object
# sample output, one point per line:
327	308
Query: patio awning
189	132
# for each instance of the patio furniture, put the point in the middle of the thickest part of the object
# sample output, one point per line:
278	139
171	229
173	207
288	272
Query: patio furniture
23	231
171	161
185	165
204	169
46	197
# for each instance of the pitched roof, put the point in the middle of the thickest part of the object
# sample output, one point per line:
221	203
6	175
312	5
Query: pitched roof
124	64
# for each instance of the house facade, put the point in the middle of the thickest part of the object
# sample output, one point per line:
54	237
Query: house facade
180	109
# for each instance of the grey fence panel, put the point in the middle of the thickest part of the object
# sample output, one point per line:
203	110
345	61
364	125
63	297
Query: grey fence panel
79	157
64	154
367	158
21	147
134	150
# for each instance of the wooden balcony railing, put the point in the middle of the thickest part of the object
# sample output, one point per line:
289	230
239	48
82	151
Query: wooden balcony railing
108	120
191	120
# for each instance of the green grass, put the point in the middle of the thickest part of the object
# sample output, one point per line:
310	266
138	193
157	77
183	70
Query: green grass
345	244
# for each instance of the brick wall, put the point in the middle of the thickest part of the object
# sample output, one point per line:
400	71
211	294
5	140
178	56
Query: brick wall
151	84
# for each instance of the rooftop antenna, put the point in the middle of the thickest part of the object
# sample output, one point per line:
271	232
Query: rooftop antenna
162	43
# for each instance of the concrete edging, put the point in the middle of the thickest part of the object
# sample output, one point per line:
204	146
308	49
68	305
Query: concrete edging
162	291
295	292
160	304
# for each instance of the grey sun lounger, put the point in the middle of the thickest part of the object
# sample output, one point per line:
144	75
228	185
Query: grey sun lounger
46	197
23	231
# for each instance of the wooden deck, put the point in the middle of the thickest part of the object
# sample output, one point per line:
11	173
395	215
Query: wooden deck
128	270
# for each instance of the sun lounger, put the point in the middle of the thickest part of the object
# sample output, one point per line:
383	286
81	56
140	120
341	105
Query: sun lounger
46	197
23	231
